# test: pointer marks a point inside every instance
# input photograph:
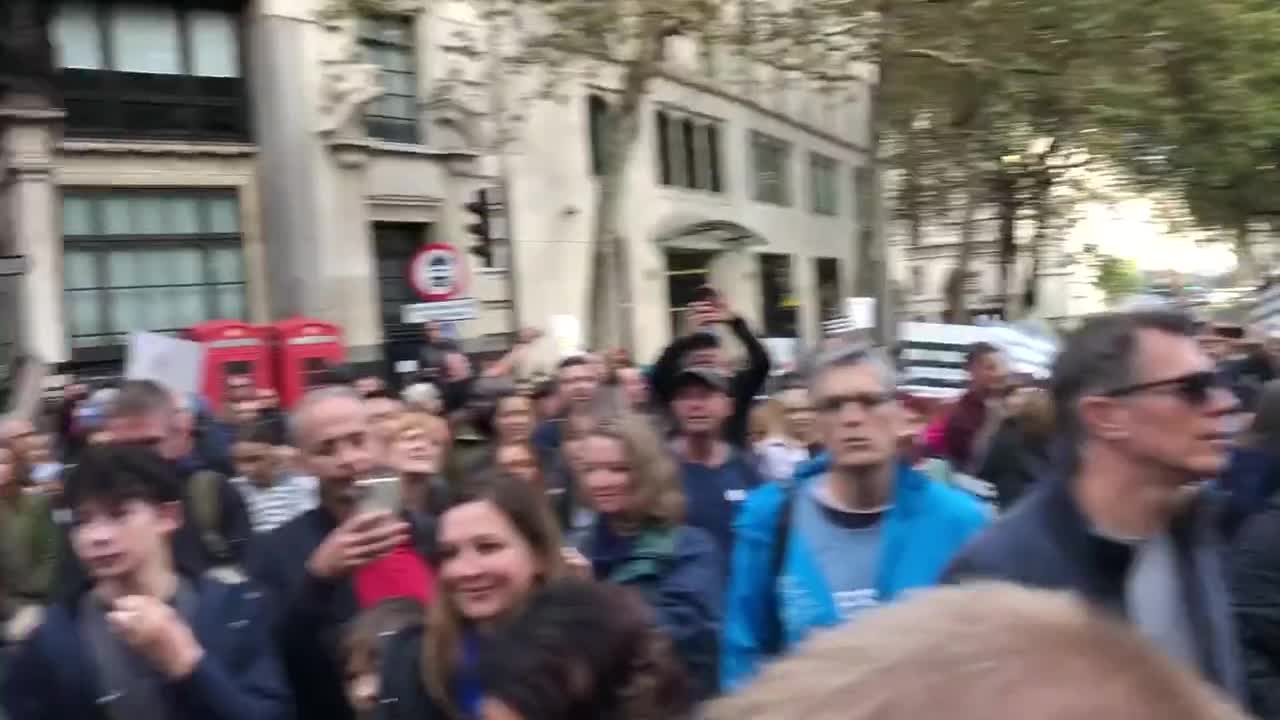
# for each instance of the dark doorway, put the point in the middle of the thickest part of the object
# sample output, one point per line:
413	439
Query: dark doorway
395	245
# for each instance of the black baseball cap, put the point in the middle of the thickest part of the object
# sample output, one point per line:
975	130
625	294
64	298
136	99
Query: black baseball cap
706	377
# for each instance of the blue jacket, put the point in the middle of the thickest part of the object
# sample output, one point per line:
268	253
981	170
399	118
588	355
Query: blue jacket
53	676
928	523
678	572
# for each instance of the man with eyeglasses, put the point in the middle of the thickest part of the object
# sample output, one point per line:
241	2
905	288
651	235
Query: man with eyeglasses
856	529
1125	522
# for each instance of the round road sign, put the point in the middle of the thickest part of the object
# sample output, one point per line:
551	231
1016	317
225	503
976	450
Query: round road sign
435	272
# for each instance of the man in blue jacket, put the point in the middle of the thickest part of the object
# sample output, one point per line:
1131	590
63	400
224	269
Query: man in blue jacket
856	529
144	639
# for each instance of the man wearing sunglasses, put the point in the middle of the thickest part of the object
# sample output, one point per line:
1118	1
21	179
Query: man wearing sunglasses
1143	419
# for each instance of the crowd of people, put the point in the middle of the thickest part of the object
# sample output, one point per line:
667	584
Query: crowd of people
700	537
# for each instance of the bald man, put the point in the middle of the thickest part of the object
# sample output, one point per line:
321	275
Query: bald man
307	564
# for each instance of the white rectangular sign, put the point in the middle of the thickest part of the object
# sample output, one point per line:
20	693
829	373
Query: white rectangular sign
861	312
566	330
176	364
442	311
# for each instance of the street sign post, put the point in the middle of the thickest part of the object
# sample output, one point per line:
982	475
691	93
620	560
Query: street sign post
435	273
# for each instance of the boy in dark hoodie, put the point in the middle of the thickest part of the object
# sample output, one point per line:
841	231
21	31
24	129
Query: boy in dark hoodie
144	638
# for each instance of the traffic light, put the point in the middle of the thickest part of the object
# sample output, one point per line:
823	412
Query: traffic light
480	230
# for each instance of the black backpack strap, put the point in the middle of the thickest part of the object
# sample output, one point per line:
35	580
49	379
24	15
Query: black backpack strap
774	640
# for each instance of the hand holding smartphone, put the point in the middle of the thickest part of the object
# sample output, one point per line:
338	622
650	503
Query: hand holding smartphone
380	495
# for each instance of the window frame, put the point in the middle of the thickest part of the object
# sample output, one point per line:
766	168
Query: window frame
824	168
689	151
765	146
100	245
778	321
366	40
112	93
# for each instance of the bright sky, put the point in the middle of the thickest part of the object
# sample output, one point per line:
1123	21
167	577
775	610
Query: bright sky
1130	229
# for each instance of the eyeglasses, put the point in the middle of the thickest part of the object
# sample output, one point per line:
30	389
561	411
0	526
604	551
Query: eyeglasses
1194	388
866	401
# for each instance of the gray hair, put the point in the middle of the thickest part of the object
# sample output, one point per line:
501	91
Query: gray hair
313	398
138	398
852	356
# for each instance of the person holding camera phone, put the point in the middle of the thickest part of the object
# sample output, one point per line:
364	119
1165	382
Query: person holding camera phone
307	565
702	348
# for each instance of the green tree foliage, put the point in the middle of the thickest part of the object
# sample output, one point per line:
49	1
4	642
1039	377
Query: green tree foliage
1117	277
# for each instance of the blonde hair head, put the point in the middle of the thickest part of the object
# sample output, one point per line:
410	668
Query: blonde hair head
657	495
987	651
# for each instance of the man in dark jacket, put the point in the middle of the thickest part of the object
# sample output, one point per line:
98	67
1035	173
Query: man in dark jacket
1127	524
1255	564
307	564
702	348
217	531
145	639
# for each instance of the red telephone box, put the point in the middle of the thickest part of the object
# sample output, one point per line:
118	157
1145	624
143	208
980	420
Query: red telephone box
305	350
232	348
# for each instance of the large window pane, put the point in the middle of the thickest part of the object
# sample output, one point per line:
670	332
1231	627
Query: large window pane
183	267
151	279
186	215
231	303
152	215
83	308
214	50
188	307
117	215
144	39
124	269
224	215
79	270
76	39
225	266
77	216
127	310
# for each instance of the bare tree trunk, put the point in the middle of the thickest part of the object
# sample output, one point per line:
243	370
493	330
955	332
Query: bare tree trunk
611	308
872	250
1044	216
957	310
1246	262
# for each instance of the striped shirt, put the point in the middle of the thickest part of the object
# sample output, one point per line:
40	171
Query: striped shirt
272	506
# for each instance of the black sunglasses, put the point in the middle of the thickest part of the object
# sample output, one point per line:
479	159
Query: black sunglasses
1194	388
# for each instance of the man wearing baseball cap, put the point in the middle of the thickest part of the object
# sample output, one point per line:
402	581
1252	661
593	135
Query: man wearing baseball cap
717	476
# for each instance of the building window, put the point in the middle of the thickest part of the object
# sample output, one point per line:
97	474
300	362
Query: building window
828	274
917	280
149	260
689	151
687	271
770	157
150	70
822	184
388	43
780	302
598	127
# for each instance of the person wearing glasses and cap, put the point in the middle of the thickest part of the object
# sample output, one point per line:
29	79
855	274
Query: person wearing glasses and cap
857	528
1125	520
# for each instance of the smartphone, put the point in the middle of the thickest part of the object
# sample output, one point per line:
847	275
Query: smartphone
380	495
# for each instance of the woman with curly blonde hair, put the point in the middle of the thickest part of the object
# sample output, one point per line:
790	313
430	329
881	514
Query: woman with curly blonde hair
639	540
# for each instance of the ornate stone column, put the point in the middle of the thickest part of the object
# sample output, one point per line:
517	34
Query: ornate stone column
31	207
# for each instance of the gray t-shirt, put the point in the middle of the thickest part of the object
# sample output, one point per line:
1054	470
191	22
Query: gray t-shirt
846	546
1154	599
